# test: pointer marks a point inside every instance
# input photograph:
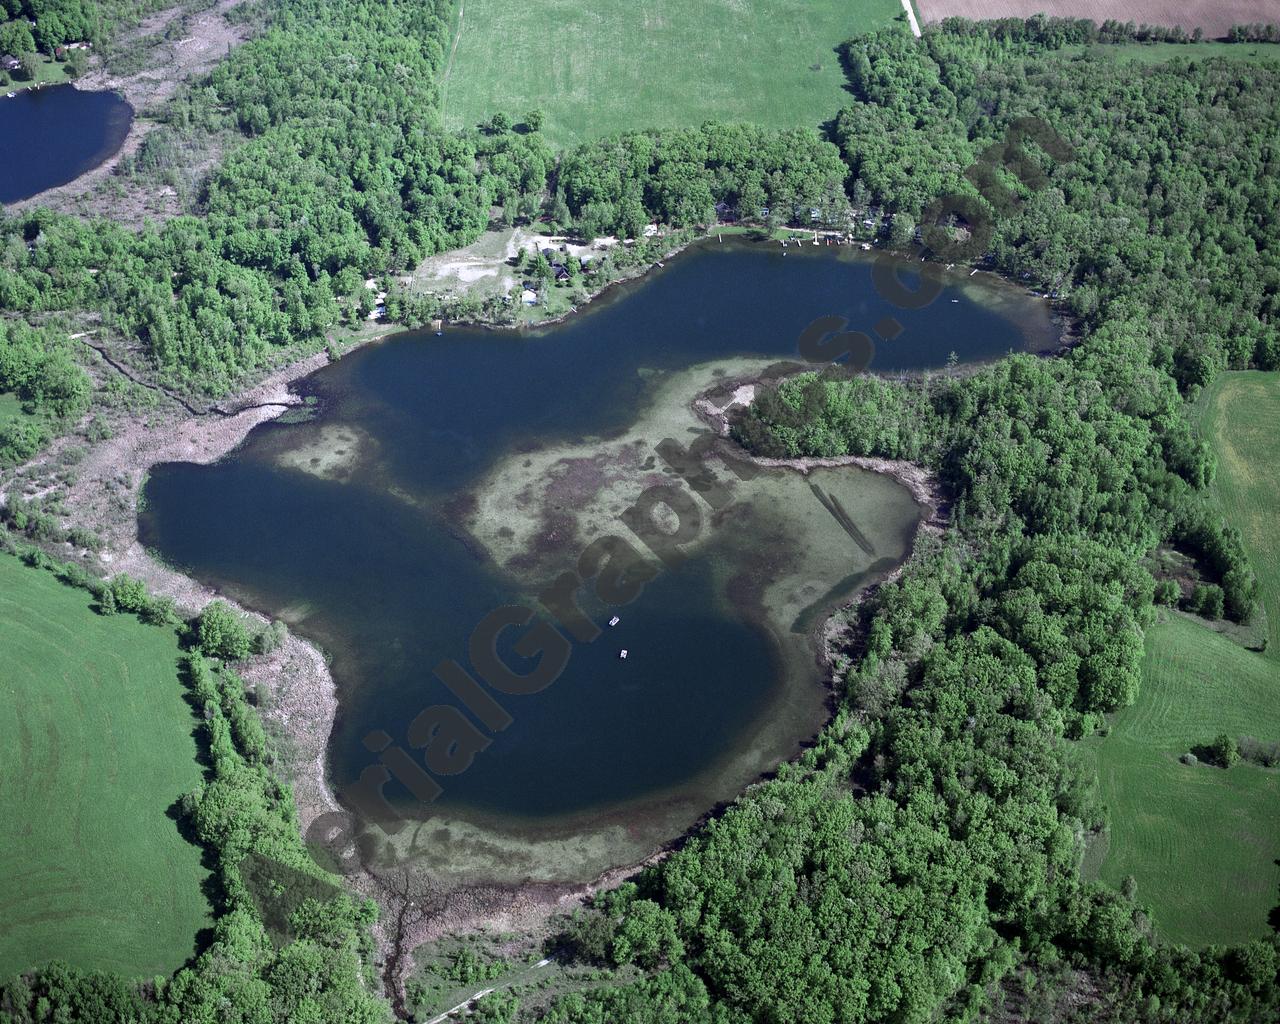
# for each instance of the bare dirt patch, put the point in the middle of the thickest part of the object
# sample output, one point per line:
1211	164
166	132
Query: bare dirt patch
1216	17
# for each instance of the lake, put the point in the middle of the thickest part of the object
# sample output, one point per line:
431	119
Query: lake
54	134
445	477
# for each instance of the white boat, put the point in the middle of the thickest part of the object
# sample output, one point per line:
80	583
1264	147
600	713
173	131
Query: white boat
623	654
12	95
614	621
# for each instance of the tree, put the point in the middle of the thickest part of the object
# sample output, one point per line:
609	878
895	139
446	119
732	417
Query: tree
15	39
222	633
534	119
902	229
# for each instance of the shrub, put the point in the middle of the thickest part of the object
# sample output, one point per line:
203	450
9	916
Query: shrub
161	611
271	638
1261	752
1224	751
130	595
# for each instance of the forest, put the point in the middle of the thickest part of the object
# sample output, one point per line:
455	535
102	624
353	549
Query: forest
921	860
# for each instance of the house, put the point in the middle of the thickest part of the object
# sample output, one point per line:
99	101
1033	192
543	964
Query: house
561	271
725	212
10	63
529	297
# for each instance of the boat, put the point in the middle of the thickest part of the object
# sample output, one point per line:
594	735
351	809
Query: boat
623	654
12	95
614	621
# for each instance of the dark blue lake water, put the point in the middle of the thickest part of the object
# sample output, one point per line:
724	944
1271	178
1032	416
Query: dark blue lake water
52	135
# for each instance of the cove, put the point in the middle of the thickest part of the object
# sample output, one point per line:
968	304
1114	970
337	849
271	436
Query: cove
55	134
445	477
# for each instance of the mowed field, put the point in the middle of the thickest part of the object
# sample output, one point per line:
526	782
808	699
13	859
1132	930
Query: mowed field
605	67
1201	842
1214	16
1240	414
95	745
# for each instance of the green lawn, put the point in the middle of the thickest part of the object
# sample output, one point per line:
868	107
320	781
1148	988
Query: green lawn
1202	842
95	745
609	66
48	72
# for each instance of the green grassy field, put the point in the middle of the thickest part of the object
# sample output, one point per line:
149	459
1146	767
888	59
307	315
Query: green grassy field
1155	53
1241	415
95	744
1202	842
605	67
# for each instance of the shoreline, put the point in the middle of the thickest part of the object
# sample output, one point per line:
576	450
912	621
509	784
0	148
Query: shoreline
83	183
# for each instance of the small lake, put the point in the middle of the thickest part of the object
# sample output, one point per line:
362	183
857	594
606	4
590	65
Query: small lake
445	477
55	134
